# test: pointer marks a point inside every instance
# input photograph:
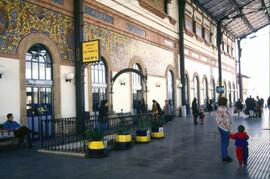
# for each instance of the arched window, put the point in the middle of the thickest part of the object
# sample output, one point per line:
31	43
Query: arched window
187	89
39	85
196	88
230	94
225	90
212	90
38	63
99	84
137	92
234	94
205	90
170	87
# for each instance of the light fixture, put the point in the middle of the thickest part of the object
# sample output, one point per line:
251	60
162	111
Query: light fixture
122	82
2	70
157	84
178	84
69	76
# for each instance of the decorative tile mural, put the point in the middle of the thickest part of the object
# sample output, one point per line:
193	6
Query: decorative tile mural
121	49
97	14
19	18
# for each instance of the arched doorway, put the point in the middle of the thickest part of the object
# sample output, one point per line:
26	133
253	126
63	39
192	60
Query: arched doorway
234	94
230	94
196	88
212	90
142	77
205	90
225	90
170	86
187	90
137	90
39	86
99	83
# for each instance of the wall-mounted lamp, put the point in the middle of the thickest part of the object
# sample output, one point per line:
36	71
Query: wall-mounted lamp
122	82
157	84
178	84
69	76
2	70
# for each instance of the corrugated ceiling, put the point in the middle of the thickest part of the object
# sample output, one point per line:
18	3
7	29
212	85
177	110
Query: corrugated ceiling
239	17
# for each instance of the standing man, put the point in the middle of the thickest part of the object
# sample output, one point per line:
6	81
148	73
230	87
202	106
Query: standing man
195	111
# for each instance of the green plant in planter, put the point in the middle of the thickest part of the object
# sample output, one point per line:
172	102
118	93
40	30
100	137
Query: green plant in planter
123	138
156	127
96	146
94	134
122	128
157	122
143	132
144	123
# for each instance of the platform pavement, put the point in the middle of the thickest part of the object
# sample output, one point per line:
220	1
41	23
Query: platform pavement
187	151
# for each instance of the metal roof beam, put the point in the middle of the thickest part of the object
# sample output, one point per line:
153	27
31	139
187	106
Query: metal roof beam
243	16
227	16
265	8
196	2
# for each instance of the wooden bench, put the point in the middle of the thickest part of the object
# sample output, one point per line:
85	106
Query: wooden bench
7	137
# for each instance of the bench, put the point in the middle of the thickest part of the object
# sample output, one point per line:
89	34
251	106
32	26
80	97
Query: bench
7	137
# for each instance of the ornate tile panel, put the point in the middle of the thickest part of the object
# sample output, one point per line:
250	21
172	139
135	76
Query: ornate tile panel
19	18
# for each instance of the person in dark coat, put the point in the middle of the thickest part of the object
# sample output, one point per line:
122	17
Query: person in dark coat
238	106
103	116
210	106
195	111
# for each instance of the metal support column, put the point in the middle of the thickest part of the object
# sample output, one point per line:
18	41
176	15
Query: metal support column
219	40
181	14
79	67
239	65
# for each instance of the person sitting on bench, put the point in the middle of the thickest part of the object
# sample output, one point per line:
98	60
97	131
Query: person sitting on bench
19	131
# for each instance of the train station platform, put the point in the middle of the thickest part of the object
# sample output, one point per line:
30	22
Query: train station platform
187	151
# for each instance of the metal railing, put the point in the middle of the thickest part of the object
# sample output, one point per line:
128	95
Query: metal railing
68	134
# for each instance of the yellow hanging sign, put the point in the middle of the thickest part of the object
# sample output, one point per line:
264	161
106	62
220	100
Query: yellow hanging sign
91	51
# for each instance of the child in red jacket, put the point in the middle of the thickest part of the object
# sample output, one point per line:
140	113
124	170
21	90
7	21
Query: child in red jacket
241	143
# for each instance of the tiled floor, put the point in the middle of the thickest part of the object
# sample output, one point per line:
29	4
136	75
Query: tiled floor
188	151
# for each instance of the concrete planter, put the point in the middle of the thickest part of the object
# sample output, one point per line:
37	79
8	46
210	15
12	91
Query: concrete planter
157	133
123	141
143	136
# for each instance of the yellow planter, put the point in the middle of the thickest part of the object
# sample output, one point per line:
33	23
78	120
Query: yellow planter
158	134
97	149
143	136
96	145
142	139
123	141
123	138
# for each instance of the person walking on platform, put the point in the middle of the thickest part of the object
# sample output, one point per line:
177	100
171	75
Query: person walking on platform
224	126
238	106
268	103
195	111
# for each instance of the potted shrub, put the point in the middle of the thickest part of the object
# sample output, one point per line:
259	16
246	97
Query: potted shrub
123	138
96	147
143	132
157	131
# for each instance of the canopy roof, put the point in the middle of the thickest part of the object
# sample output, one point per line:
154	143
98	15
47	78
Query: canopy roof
238	17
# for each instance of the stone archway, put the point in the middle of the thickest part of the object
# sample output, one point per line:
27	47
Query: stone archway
128	70
23	47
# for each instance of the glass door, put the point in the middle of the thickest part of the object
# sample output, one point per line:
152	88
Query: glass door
39	107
